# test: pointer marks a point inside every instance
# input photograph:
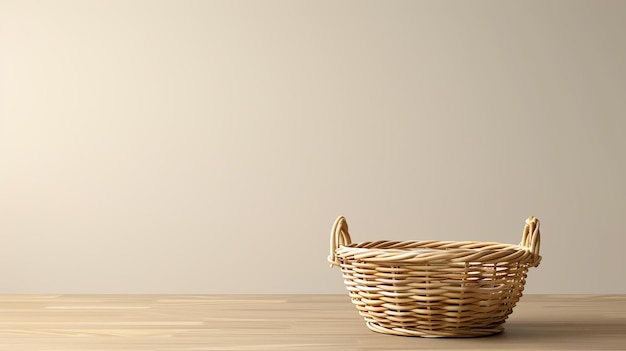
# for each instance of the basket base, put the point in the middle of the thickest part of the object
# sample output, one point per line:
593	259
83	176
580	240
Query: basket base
461	333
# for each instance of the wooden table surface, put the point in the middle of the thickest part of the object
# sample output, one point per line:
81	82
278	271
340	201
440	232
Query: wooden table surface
284	322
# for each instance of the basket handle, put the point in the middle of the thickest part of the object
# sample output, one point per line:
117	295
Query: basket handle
531	238
339	235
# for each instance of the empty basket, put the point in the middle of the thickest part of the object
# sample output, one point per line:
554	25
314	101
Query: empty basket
434	288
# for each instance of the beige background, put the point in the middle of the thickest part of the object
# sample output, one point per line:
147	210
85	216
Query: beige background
207	146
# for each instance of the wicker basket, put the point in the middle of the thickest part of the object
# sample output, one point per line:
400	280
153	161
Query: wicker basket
434	288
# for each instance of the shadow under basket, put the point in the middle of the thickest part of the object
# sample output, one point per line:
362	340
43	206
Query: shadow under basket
434	288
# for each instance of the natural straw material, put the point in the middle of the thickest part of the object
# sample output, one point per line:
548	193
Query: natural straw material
434	288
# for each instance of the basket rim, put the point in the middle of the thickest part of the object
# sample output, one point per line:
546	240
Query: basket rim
426	251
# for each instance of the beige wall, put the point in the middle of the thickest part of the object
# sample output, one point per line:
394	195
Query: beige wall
207	146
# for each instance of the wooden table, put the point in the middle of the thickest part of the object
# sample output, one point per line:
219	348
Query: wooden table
284	322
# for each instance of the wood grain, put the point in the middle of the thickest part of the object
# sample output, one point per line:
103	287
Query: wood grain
283	322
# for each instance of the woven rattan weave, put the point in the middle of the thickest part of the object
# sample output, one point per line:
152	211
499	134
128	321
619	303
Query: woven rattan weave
434	288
